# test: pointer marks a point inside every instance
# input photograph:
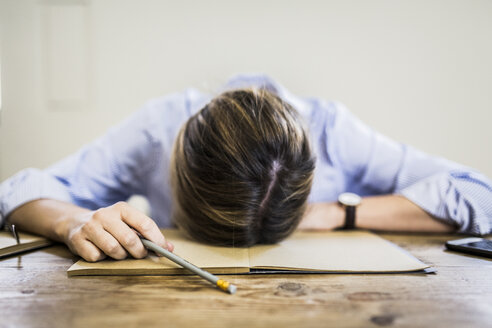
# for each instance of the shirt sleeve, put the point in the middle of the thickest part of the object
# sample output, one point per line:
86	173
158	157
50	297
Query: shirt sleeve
448	191
108	170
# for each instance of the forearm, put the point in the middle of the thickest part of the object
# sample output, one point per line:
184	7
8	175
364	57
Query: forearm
111	231
396	213
45	217
388	212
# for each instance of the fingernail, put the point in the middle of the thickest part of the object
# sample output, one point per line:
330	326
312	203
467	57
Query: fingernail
170	246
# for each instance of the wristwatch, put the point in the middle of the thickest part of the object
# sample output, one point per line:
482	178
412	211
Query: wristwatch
350	201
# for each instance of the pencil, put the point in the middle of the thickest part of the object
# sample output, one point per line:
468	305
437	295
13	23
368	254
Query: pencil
222	284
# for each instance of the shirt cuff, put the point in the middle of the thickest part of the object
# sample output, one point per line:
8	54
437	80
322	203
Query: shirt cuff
447	197
28	185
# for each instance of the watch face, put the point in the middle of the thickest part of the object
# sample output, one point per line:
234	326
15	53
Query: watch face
349	199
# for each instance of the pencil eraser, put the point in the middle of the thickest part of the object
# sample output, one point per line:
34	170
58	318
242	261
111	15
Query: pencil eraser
231	289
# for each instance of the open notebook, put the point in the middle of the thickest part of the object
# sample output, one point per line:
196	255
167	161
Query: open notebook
335	251
27	242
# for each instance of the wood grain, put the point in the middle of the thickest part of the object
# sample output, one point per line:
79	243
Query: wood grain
36	292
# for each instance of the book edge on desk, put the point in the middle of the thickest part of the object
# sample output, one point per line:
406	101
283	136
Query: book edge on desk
78	270
24	247
275	271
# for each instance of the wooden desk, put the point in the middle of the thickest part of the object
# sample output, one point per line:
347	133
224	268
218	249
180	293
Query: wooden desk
36	292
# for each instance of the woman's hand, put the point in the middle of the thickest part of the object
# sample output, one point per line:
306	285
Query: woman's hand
110	231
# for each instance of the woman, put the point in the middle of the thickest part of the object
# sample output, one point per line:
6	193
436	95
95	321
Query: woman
245	167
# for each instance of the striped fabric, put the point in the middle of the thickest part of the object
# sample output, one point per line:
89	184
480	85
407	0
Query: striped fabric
133	158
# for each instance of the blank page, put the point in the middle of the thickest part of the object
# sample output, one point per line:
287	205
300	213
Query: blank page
9	246
338	251
7	239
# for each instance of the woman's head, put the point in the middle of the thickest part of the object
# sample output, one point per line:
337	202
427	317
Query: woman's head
242	170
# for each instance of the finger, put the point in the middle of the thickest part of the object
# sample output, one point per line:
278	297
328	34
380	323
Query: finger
107	243
127	237
143	224
170	247
88	251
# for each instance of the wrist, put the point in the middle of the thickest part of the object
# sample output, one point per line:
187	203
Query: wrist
349	202
323	216
65	224
338	215
60	228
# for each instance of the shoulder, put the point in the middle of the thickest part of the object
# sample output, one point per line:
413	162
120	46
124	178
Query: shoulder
313	110
162	117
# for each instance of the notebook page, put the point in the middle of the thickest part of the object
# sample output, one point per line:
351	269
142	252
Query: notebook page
336	251
7	239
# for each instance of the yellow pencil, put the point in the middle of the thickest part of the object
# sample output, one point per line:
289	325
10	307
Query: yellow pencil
222	284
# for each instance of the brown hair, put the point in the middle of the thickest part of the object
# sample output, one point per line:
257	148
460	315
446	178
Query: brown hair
242	170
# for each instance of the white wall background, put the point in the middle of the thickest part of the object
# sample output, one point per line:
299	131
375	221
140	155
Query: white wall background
419	71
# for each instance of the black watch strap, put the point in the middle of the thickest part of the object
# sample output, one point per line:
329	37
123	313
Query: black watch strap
349	217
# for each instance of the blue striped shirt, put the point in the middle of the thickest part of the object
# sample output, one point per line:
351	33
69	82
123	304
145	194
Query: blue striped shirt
133	158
